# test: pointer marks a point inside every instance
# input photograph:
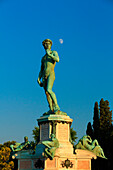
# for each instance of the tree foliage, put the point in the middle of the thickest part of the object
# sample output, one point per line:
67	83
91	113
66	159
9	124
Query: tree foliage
8	143
89	130
96	121
102	121
5	151
73	135
105	115
36	134
102	129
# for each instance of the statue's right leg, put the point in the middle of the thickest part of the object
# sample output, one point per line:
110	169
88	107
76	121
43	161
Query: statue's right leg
49	100
11	146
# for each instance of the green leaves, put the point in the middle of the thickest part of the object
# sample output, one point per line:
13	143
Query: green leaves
5	155
73	135
36	134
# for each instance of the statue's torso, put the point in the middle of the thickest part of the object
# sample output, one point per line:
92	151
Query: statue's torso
48	65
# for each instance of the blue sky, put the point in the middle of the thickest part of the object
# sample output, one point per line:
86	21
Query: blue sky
83	75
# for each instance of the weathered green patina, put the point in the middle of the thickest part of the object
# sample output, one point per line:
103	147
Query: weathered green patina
50	146
21	146
86	143
47	75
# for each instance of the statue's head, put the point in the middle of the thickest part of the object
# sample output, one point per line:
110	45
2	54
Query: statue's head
26	139
52	135
47	43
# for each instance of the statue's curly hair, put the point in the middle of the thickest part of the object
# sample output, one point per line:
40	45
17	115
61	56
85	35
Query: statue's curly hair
47	40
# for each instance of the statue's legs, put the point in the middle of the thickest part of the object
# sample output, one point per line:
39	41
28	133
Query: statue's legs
95	143
11	146
48	144
92	145
49	100
48	153
53	101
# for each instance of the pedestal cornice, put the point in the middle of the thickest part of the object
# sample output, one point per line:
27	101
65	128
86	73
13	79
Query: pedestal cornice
57	118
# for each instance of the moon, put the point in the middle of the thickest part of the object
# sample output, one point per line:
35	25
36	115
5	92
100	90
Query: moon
61	41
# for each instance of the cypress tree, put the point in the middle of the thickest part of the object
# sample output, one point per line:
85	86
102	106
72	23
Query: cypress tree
105	126
89	130
96	122
103	132
105	115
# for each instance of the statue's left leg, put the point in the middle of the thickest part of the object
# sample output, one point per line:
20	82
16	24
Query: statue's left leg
50	82
49	100
48	153
95	143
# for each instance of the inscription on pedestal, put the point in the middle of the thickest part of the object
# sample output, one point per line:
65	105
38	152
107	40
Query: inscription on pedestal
63	132
44	131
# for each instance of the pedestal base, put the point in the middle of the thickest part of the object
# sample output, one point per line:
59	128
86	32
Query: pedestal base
79	161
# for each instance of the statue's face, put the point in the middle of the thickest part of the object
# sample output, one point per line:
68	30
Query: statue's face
47	45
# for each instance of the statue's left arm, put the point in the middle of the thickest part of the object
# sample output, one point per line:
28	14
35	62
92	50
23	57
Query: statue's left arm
53	55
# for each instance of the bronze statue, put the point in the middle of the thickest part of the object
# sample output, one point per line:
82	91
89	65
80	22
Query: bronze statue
47	75
86	143
51	146
21	146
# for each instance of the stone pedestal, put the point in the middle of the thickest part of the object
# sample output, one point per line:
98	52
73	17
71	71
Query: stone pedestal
64	158
83	159
60	126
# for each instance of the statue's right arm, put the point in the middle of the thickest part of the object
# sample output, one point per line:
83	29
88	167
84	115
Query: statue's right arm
40	75
53	55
